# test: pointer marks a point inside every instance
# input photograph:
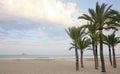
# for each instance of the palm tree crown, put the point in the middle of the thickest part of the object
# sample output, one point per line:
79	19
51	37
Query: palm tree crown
114	40
102	16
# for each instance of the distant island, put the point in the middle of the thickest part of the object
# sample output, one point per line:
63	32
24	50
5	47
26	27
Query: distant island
24	54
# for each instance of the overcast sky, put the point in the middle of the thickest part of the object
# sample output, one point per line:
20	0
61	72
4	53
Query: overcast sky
38	26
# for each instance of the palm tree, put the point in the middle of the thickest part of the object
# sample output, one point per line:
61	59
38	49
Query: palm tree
102	16
83	43
92	32
114	41
73	33
107	40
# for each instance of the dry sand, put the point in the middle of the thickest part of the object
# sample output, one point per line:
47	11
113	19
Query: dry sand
60	66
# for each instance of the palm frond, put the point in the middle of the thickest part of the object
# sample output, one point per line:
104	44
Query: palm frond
73	44
86	17
89	49
71	48
83	43
93	14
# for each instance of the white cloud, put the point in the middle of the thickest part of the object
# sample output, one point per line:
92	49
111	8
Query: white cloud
49	10
35	24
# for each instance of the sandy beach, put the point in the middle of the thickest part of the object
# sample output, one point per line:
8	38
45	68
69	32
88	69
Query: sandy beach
59	66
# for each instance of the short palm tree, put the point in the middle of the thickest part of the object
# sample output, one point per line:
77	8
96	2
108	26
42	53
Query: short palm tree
114	41
73	33
102	16
107	41
83	43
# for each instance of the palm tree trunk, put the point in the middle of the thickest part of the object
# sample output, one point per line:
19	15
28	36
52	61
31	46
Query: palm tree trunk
82	66
77	59
110	58
97	57
101	52
93	45
114	58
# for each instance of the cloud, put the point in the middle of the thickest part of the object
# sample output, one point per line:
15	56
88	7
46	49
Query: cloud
54	11
27	31
35	24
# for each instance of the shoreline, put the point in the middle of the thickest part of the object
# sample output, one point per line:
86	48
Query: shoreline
85	58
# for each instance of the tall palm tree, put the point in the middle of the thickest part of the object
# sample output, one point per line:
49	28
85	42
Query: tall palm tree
96	41
83	43
102	16
107	40
114	41
73	33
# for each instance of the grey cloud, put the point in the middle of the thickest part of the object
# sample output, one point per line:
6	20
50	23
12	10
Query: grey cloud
14	28
18	24
9	22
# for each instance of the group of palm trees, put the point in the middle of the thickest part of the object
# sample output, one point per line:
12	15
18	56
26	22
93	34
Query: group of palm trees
91	34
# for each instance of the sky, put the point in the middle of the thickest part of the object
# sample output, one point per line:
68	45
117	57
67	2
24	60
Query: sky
38	26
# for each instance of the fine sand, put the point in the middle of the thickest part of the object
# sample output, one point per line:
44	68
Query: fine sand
60	66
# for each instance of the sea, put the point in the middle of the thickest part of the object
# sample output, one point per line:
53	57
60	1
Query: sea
15	57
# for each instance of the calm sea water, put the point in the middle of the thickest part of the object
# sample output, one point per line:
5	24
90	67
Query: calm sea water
14	57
